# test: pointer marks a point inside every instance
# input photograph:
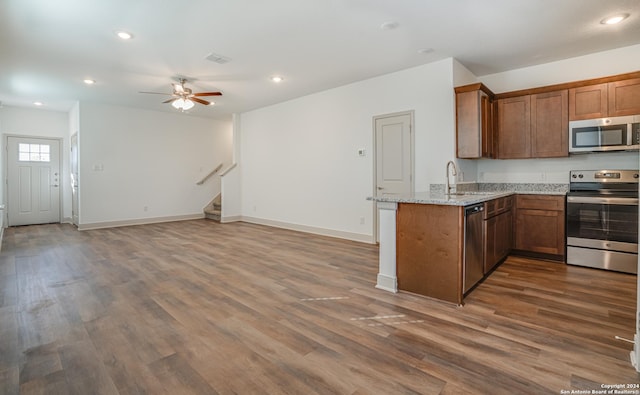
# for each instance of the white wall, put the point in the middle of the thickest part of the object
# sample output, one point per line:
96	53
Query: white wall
602	64
131	159
39	123
299	158
596	65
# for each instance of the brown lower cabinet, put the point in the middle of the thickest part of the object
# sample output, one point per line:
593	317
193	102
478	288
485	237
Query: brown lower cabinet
498	231
430	240
540	226
429	249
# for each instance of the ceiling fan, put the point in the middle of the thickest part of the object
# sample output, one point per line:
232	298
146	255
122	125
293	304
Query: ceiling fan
183	98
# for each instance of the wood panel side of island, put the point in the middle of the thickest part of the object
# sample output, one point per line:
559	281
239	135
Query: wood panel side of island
429	250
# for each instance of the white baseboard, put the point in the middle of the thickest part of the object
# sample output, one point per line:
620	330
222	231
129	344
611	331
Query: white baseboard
387	283
141	221
230	218
311	229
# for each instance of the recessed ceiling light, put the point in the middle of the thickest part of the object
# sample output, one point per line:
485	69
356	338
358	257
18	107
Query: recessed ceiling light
212	103
612	20
389	25
277	78
89	81
38	103
124	35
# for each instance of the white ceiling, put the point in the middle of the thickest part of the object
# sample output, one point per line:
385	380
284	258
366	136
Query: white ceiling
48	47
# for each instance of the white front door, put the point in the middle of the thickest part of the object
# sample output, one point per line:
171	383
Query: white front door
393	155
33	181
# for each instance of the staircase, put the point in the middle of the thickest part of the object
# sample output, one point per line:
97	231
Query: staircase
214	209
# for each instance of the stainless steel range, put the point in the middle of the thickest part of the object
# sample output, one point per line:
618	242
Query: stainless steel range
602	219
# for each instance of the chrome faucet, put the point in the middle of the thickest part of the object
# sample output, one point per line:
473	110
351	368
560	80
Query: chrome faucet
454	172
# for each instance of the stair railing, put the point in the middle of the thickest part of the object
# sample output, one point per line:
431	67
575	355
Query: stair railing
211	173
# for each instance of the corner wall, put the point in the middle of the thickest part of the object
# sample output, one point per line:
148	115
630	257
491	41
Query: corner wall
300	165
139	166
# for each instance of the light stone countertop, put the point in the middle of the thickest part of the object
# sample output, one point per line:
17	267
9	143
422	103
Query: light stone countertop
467	199
487	192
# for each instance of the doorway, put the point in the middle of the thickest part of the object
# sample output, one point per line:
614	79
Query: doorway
33	180
393	162
74	179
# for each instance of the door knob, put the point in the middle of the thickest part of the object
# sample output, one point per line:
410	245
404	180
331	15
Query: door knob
380	188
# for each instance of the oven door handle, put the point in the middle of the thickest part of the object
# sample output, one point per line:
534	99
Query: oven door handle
603	200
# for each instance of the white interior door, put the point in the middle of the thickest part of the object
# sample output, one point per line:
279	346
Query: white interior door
33	181
394	155
74	178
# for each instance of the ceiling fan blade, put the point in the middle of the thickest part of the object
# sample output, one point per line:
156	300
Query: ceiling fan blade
158	93
195	99
207	94
170	100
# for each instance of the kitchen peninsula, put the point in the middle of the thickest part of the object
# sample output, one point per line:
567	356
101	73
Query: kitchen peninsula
423	248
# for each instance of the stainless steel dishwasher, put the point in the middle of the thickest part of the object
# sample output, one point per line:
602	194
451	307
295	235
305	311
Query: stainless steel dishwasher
473	268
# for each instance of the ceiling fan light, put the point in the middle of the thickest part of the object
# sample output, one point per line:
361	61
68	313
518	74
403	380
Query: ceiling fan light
178	104
188	104
183	104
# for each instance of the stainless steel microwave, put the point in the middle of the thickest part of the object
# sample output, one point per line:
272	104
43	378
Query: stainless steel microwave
605	134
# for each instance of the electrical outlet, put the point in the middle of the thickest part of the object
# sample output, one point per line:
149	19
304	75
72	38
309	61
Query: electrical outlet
361	220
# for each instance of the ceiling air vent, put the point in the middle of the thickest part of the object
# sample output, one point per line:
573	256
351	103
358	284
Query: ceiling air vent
214	57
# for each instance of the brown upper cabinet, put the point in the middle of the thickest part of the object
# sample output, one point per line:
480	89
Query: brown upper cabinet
610	99
534	123
514	127
624	97
588	102
533	126
474	122
550	124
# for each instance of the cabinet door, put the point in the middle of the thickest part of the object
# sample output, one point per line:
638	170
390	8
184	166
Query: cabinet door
514	127
498	234
504	235
474	132
490	255
540	231
588	102
624	97
550	124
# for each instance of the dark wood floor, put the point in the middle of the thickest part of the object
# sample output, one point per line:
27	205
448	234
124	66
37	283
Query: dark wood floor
204	308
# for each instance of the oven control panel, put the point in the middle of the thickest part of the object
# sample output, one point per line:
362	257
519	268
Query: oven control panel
604	176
